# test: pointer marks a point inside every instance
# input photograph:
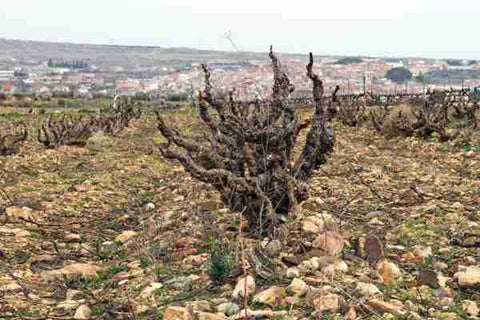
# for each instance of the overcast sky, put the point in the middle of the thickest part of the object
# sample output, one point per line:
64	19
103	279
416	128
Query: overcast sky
430	28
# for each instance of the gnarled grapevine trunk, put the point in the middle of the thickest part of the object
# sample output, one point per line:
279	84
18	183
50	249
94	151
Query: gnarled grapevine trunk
249	156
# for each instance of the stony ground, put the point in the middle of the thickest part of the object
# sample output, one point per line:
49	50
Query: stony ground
113	231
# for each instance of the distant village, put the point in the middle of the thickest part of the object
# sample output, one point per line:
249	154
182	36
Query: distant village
248	80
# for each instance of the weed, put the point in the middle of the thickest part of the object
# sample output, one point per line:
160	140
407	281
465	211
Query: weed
220	264
144	262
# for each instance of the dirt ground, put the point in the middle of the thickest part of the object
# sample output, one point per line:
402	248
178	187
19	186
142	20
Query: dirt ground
138	231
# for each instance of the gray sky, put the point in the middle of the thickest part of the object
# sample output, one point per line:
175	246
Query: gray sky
430	28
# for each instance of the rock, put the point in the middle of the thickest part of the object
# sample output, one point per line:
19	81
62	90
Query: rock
293	272
123	275
469	278
317	263
174	313
328	301
180	313
418	254
72	238
388	271
297	286
351	314
259	314
271	296
20	214
330	242
239	290
196	260
209	316
68	305
371	248
83	312
340	266
47	245
149	206
228	308
204	306
448	316
440	265
445	303
148	291
375	222
394	307
185	284
368	289
70	272
443	292
109	246
10	288
72	294
337	266
274	248
316	224
431	278
470	307
125	236
17	232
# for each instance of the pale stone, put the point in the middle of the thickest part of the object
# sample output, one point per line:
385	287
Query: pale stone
70	272
259	314
470	277
239	290
317	224
174	313
440	265
297	286
202	305
68	305
71	294
149	206
125	236
11	287
228	308
20	213
83	313
470	307
270	296
148	291
394	307
181	313
293	272
72	237
368	289
327	301
196	260
330	242
389	271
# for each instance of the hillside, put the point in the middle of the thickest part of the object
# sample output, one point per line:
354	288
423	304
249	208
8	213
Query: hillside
33	52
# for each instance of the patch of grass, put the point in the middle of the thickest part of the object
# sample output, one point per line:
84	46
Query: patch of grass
35	234
145	262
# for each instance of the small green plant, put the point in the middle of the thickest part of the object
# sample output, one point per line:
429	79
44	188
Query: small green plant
220	264
35	234
144	262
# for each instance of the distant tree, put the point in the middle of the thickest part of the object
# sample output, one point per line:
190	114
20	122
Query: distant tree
455	63
398	75
472	62
420	77
50	62
349	60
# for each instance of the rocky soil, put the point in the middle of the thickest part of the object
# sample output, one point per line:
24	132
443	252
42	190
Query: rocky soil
113	231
